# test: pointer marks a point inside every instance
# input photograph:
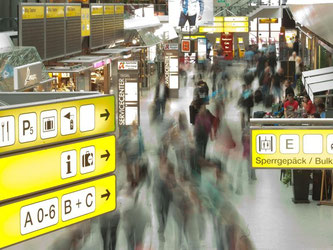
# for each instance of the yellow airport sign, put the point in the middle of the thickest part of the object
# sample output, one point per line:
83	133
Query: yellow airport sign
85	22
32	12
193	37
236	24
30	172
236	19
218	18
119	9
292	148
33	217
55	11
42	123
108	9
236	29
72	11
96	10
268	20
210	29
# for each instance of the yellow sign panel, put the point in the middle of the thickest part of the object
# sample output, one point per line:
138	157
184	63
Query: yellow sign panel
210	29
46	213
108	9
268	20
96	10
72	11
55	11
291	148
36	171
32	12
236	29
85	22
236	24
119	9
236	19
218	19
36	124
193	37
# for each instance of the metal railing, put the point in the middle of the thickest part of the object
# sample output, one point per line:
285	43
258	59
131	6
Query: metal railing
292	121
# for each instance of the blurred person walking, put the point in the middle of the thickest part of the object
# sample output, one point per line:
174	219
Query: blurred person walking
161	96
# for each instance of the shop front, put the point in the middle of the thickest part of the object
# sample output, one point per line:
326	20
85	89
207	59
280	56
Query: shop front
94	76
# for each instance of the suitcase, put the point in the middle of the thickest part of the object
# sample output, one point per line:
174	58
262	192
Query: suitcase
268	101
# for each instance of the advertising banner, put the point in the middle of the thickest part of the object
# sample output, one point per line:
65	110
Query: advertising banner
191	13
186	46
202	50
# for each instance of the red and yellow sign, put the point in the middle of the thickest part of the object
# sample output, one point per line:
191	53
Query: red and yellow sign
186	46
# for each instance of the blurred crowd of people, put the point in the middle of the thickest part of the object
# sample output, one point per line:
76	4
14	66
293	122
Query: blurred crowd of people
176	178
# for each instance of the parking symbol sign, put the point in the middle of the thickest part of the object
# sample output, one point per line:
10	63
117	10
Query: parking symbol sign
27	127
266	144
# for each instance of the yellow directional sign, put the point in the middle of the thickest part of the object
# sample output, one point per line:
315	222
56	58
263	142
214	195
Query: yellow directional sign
39	124
42	214
291	148
35	171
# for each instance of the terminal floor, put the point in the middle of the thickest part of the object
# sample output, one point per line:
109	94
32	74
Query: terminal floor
273	221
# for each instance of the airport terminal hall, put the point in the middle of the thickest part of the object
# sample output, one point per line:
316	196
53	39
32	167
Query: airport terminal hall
166	124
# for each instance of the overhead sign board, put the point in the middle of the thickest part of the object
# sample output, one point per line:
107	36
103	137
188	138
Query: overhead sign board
27	75
292	148
236	19
40	170
32	217
127	65
96	10
210	29
119	9
40	123
236	24
236	29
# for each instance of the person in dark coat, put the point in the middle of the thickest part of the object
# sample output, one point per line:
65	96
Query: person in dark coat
161	96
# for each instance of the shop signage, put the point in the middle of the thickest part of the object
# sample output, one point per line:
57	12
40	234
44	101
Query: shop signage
186	46
268	20
96	10
55	11
171	46
32	12
28	125
119	9
236	19
40	170
108	9
127	65
128	101
27	75
85	22
36	216
99	64
291	148
72	11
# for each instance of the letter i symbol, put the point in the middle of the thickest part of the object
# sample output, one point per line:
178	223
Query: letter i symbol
68	164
